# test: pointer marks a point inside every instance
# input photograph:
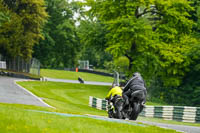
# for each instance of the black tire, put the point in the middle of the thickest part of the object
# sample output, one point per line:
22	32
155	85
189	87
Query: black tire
134	116
136	111
118	108
110	113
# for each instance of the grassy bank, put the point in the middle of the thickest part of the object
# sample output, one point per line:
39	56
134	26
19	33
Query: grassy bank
62	74
74	98
68	97
15	119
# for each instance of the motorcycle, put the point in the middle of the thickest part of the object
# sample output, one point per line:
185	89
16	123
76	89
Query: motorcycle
115	112
136	105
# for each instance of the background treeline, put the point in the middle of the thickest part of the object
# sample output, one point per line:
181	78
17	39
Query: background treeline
159	38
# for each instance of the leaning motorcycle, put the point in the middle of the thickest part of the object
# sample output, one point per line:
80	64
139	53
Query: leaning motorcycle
136	105
115	111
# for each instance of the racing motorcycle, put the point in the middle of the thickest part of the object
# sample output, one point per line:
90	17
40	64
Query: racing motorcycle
115	112
136	105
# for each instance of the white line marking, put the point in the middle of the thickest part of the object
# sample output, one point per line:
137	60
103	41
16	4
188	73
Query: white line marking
31	92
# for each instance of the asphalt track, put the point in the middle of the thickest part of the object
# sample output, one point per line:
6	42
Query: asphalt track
180	128
10	92
76	81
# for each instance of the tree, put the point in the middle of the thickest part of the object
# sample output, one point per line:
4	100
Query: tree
61	45
92	37
154	35
188	91
160	39
121	64
21	28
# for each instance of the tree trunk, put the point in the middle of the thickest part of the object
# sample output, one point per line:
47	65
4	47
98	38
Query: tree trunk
130	61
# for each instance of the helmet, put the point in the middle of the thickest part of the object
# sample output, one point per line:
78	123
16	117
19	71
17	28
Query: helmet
122	84
136	74
113	85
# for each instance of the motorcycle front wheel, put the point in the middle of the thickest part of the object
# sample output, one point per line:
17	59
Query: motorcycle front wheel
136	110
110	113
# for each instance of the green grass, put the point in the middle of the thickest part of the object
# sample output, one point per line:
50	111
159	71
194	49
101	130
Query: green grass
156	103
15	119
74	98
68	97
103	70
62	74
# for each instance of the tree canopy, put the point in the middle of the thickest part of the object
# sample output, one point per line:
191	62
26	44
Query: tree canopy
154	35
61	45
158	38
21	24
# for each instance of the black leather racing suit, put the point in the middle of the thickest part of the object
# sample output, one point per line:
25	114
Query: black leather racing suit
134	84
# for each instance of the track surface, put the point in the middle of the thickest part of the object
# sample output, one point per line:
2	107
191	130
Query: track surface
10	92
181	128
76	81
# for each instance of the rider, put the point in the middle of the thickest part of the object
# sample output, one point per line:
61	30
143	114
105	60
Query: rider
134	84
113	95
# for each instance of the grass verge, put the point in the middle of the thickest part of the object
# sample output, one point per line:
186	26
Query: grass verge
62	74
67	97
15	119
74	98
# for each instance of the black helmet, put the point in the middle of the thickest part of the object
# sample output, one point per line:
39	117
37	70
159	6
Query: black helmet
122	84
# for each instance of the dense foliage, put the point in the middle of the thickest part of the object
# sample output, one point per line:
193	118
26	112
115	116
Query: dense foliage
61	44
92	37
21	23
158	38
